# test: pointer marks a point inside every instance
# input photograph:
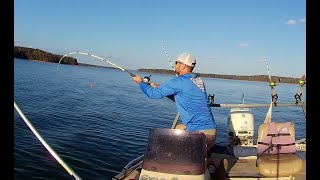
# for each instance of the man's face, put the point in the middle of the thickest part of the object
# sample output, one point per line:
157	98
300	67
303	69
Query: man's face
178	66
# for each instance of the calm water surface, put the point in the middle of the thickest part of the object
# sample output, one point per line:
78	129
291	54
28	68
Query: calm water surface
97	119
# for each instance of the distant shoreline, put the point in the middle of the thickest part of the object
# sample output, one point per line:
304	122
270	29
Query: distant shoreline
36	54
259	78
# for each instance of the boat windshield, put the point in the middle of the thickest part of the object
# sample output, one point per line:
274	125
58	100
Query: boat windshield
175	151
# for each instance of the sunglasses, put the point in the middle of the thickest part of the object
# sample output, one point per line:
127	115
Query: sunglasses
178	62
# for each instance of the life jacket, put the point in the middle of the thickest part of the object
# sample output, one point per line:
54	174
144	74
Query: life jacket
277	142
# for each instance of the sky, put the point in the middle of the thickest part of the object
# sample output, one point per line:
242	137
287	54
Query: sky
234	37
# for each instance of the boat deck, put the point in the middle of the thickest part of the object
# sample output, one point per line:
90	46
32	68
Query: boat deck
245	168
239	168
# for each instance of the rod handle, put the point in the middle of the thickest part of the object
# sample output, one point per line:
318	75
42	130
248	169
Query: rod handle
131	74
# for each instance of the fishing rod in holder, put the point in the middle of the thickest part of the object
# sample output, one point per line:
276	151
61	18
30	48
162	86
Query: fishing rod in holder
302	82
146	79
274	96
272	84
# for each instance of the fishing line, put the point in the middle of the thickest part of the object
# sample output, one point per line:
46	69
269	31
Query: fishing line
46	145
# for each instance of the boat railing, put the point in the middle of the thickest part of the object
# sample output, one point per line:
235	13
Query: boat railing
131	166
301	104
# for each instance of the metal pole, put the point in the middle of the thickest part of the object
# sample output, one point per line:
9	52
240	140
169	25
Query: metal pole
46	145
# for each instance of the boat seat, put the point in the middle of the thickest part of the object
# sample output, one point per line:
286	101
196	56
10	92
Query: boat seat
279	164
175	151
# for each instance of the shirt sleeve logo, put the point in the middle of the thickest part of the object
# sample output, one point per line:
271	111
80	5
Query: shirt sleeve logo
199	83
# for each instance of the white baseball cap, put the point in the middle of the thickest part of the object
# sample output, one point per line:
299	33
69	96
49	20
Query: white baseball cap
187	58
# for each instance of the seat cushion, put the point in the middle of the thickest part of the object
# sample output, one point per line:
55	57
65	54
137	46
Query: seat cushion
279	165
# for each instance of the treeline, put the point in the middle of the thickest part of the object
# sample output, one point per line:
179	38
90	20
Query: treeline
39	55
264	78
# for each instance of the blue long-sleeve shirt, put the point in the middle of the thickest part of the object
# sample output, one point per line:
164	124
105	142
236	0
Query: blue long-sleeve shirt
191	100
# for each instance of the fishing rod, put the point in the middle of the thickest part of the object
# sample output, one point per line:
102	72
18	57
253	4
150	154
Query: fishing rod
89	54
302	82
174	123
46	145
274	96
272	84
168	58
146	79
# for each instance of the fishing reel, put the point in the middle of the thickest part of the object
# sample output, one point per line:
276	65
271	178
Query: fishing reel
298	97
274	98
272	84
146	79
302	82
211	99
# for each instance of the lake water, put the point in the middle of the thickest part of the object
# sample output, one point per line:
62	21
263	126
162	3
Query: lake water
97	119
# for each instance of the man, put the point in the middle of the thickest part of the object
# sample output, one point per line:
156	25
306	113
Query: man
190	96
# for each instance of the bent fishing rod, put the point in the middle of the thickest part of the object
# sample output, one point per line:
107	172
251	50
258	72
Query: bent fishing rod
146	79
45	144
